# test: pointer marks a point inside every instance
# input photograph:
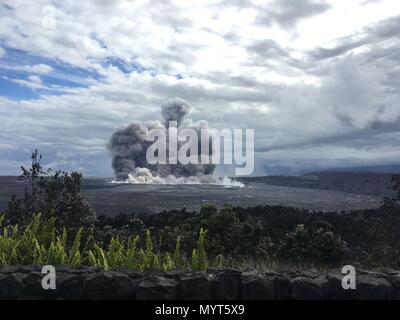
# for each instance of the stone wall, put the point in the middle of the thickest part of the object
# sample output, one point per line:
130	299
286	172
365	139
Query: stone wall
24	282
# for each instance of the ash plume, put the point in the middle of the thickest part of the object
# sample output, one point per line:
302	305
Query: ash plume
174	110
128	148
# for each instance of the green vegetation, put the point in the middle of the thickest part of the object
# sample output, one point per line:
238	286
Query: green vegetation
53	194
53	224
275	237
40	242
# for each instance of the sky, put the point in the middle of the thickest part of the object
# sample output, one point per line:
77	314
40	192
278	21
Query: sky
318	81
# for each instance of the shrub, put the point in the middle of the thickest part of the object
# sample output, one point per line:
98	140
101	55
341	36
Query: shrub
54	194
319	246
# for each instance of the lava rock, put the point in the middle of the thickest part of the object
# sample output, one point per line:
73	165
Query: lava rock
304	288
33	287
333	288
109	286
282	286
195	286
157	288
11	286
73	287
255	286
369	287
395	281
226	285
9	269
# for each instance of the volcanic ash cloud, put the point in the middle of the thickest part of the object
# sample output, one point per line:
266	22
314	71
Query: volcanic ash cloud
128	147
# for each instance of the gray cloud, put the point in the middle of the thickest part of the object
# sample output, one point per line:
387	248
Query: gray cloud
288	13
371	36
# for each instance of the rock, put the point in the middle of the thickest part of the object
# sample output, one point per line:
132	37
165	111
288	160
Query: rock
303	288
63	268
86	270
372	288
109	286
134	275
9	269
333	288
309	274
218	271
282	286
226	285
11	286
395	281
29	268
174	274
255	286
125	287
157	288
218	284
73	287
373	273
33	287
195	286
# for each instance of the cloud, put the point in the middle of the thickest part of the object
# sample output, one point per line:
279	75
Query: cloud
243	62
37	68
32	82
40	68
35	79
289	13
381	35
367	2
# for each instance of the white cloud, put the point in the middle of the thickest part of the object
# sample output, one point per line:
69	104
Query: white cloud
36	68
40	68
35	79
32	82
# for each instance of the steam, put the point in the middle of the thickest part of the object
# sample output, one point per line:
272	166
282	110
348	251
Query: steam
128	147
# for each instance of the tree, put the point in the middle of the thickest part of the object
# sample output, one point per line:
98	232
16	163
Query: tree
396	186
51	193
393	202
318	246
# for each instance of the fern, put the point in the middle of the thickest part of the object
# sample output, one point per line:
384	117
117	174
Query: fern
115	254
199	256
178	260
131	260
168	264
101	258
74	258
195	260
40	242
149	249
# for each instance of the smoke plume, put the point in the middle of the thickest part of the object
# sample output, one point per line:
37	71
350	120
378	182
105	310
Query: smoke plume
174	110
128	148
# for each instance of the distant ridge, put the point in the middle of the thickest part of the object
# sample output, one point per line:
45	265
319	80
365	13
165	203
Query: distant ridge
392	169
355	182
